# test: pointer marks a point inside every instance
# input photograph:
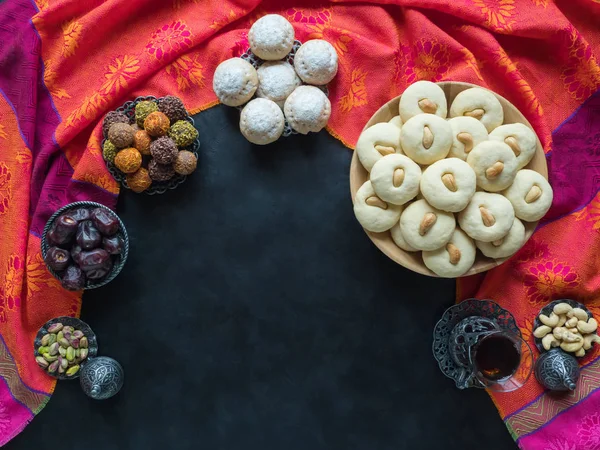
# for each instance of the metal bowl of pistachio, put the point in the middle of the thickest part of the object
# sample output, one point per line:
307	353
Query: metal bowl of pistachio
63	346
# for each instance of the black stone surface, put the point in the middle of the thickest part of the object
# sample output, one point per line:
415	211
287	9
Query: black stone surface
254	313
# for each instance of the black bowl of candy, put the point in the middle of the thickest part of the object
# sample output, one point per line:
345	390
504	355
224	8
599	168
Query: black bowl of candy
84	245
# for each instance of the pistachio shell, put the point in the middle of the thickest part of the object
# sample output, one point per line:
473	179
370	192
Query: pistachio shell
72	370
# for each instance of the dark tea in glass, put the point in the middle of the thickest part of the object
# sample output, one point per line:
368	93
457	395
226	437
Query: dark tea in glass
497	356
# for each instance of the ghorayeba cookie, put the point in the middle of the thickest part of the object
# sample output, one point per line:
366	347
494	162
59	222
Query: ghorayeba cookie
399	240
396	178
467	133
373	213
276	81
376	142
506	246
530	195
271	37
426	228
480	104
520	138
423	97
262	121
316	62
235	81
396	120
448	184
495	165
454	259
487	217
426	138
307	109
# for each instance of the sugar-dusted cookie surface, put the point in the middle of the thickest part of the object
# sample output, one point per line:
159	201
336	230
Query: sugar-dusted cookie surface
454	259
426	138
425	227
271	37
520	138
372	212
316	62
235	81
495	165
530	195
480	104
276	81
487	217
448	184
262	121
396	178
506	246
377	141
307	109
423	97
467	133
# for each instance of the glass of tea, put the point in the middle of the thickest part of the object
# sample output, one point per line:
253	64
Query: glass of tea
501	361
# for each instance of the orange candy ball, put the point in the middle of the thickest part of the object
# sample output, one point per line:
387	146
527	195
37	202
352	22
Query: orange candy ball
139	181
142	141
157	124
128	160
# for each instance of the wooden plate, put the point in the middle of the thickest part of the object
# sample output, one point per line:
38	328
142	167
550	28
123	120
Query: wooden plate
358	176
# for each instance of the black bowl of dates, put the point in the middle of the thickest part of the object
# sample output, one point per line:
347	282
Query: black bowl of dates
84	245
63	346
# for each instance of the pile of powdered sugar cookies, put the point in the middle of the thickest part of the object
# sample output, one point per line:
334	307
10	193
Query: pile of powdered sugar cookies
449	186
278	91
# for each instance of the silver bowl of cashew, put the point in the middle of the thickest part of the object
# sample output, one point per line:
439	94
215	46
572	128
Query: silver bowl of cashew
565	324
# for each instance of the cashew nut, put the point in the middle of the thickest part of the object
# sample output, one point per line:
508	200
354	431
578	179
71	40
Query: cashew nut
562	308
385	150
428	221
571	347
589	340
551	321
534	193
579	313
573	330
427	137
511	141
376	201
565	335
587	327
487	217
562	319
427	106
571	323
398	177
467	141
580	353
549	341
542	331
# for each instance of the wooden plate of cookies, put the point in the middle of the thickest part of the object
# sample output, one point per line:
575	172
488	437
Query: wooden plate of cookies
414	260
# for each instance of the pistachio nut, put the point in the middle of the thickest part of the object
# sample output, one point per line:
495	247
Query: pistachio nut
50	358
60	335
52	368
62	351
42	350
53	349
55	327
83	353
74	342
42	362
64	363
78	334
70	353
52	339
68	328
64	343
46	340
83	342
72	370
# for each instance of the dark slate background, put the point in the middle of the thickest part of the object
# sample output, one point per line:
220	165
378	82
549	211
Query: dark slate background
254	313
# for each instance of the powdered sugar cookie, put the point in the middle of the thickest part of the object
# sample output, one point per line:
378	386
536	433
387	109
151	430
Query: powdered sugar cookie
467	133
520	138
495	165
487	217
376	142
396	120
235	81
506	246
372	212
423	97
271	37
454	259
480	104
530	195
307	109
316	62
426	138
262	121
396	178
424	227
399	240
276	81
448	184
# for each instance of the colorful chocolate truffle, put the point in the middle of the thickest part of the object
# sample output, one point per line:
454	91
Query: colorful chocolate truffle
142	141
143	109
112	118
109	151
185	163
160	172
183	133
157	124
139	181
128	160
121	135
173	108
164	150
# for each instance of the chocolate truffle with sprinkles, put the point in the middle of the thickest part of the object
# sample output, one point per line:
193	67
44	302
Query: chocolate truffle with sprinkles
109	151
164	150
157	124
120	134
185	163
143	109
183	133
139	181
173	108
160	172
111	118
128	160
